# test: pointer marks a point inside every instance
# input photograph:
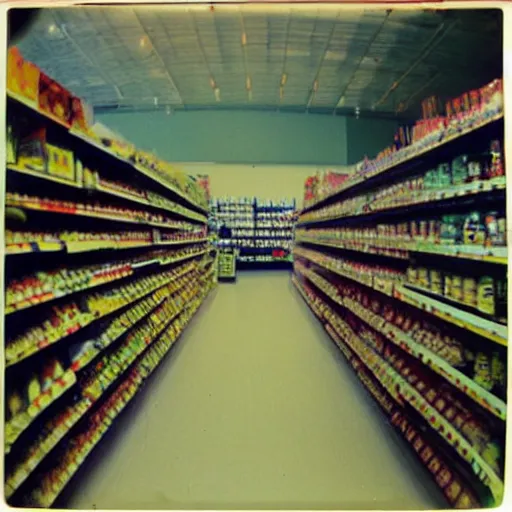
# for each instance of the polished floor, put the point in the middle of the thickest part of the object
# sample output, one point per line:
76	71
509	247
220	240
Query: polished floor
255	407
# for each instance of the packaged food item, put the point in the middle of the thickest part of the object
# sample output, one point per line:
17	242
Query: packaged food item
495	229
424	277
448	284
15	403
451	229
459	170
475	169
436	281
33	389
469	291
482	371
456	287
498	372
444	175
474	230
485	295
496	167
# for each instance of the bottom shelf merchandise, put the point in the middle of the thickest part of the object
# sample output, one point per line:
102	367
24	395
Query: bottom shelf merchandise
455	487
95	406
430	376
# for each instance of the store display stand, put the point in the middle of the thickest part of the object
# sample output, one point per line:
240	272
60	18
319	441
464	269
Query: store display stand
405	265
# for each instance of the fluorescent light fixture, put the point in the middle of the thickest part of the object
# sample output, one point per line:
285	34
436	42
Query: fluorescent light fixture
284	77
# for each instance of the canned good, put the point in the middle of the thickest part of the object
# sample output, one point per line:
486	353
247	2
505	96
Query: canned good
485	295
436	281
423	277
447	285
412	275
469	291
423	229
456	288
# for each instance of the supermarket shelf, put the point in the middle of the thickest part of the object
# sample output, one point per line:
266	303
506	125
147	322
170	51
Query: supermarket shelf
478	325
497	255
351	184
455	303
486	328
26	304
140	200
430	359
130	269
42	176
46	501
13	359
21	473
401	390
14	480
85	213
34	247
17	425
424	198
182	242
91	356
78	135
398	249
368	248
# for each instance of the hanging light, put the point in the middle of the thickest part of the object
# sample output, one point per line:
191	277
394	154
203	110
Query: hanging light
217	93
248	83
315	85
212	83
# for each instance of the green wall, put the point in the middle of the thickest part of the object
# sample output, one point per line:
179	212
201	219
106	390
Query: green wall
366	137
236	136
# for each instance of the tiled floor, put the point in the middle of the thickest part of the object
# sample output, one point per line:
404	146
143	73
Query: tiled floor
254	408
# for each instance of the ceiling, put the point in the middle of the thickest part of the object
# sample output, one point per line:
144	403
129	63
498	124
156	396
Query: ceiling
293	57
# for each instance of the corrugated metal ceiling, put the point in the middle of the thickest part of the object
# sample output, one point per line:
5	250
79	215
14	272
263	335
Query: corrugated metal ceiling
299	58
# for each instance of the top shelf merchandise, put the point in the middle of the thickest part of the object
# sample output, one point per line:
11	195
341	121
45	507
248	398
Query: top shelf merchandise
107	259
58	142
405	263
261	230
467	118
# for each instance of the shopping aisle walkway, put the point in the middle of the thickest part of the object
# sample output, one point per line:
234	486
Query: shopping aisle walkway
255	407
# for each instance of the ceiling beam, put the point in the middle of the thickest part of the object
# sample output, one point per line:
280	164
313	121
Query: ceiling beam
314	85
158	56
440	33
93	63
364	54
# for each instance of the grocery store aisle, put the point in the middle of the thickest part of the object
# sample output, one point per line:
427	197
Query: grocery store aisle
254	408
